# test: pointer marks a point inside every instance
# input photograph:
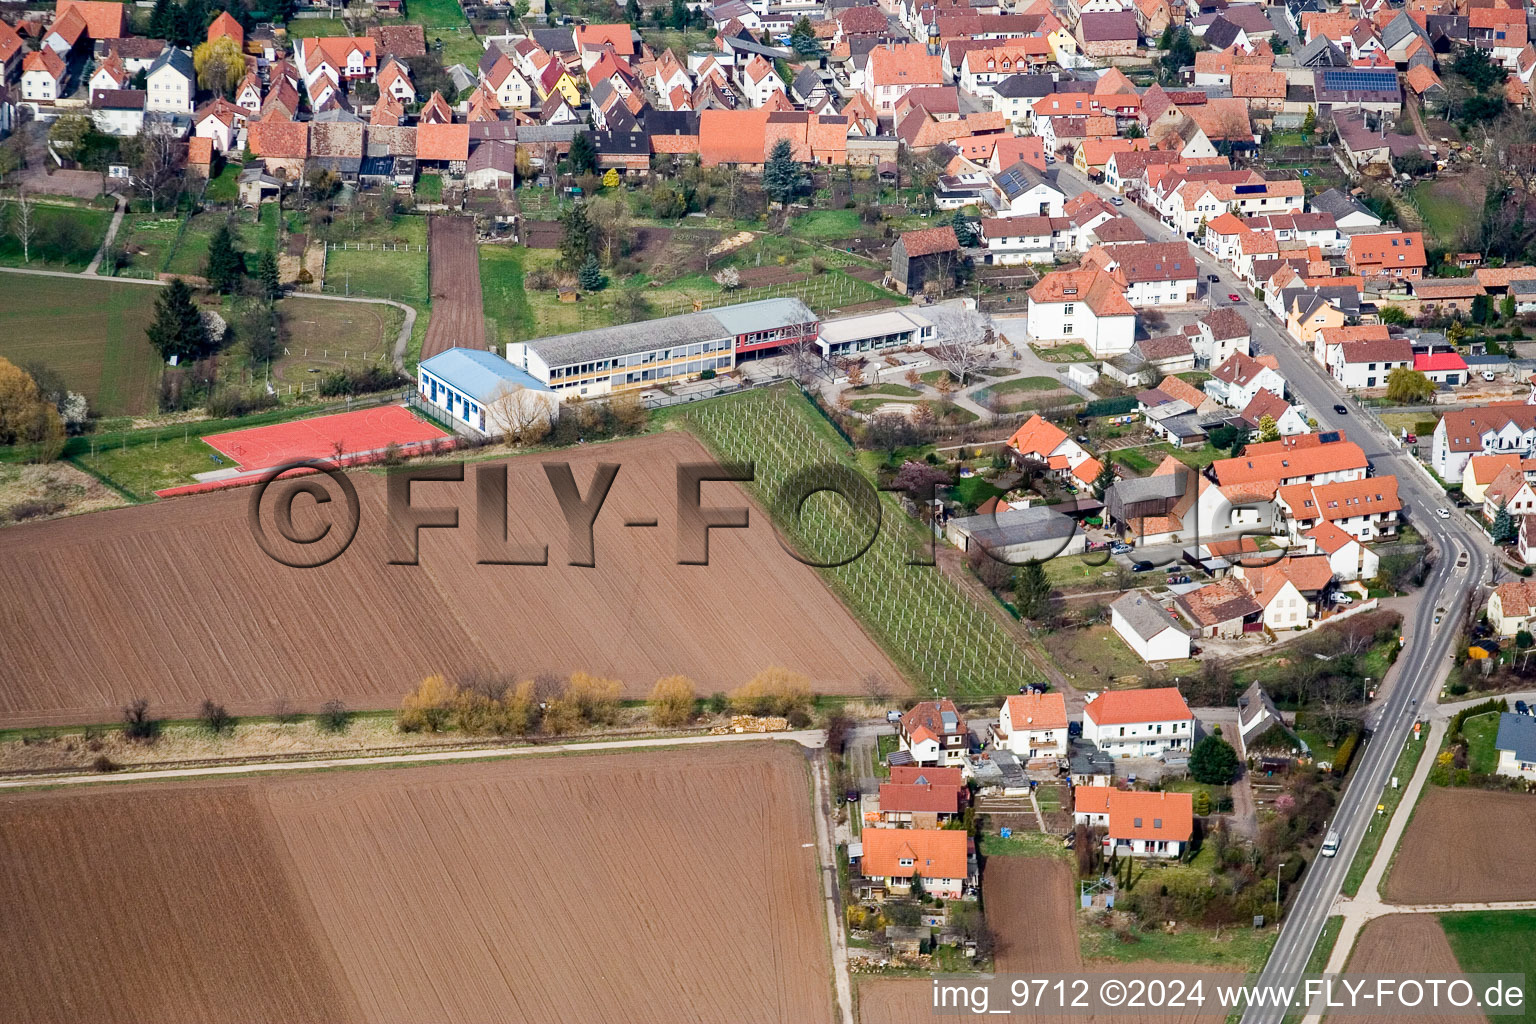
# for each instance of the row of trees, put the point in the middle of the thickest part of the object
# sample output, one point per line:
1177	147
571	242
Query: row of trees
495	706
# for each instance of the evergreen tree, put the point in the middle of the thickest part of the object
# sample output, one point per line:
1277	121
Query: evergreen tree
266	274
1504	528
1104	481
591	275
162	20
1309	123
1165	41
803	38
583	156
1507	307
1482	306
178	328
1213	762
1032	591
964	233
1268	431
677	15
782	177
632	13
226	264
580	238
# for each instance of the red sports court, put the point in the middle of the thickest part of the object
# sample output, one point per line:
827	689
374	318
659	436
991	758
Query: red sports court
358	433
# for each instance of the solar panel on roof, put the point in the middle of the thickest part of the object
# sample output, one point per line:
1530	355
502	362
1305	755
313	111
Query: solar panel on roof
1328	438
1357	80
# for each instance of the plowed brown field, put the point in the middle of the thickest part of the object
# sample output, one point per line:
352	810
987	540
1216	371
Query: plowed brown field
175	602
458	319
1405	944
1030	907
1435	863
626	888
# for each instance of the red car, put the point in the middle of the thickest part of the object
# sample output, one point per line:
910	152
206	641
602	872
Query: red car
1236	298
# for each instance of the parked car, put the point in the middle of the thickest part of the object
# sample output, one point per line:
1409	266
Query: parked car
1142	567
1116	201
1213	278
1174	580
1521	708
1488	375
1074	728
852	796
1234	298
1443	513
1339	597
1341	410
1411	439
1120	548
893	716
1082	438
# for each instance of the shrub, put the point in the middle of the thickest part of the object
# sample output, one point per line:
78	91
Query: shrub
595	699
429	707
672	702
104	764
225	405
561	717
334	717
361	381
137	725
719	702
216	717
773	691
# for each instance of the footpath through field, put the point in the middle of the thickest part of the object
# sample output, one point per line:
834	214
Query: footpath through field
813	739
458	318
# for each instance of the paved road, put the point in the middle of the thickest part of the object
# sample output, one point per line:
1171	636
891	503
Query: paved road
1421	667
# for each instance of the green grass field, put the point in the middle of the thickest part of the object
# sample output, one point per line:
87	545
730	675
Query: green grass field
1446	208
940	634
322	336
379	273
1494	942
1094	656
312	28
508	316
63	237
224	187
91	332
1481	731
821	224
1072	352
1230	949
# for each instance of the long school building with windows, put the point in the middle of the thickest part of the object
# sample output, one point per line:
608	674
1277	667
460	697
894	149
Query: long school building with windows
669	350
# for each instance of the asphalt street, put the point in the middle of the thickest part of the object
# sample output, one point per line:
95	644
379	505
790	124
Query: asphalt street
1426	658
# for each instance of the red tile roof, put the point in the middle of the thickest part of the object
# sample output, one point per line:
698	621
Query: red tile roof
933	853
928	241
1037	711
103	19
1134	814
930	797
1037	436
1438	361
226	25
908	774
442	142
1124	707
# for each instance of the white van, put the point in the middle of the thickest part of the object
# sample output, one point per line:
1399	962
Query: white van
1331	844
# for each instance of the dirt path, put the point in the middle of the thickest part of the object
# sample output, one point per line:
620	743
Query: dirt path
106	243
458	318
826	855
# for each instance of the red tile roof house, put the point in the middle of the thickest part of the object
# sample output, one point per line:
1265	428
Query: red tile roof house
1446	368
1032	725
920	804
945	860
1139	723
934	733
1391	255
1137	823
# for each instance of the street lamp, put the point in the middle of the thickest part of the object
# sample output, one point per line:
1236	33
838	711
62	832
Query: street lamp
1278	876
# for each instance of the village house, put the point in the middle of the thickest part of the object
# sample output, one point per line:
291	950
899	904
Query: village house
1032	725
1139	723
889	858
934	733
1236	381
1348	557
1516	744
1086	305
1154	272
1482	470
1136	823
1221	609
922	804
918	257
1511	606
1397	255
1366	509
1507	427
1289	590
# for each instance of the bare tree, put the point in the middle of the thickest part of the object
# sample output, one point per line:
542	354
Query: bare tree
876	687
22	224
157	173
968	347
517	414
806	363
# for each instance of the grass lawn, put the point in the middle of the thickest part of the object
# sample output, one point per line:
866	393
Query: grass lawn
1083	572
380	273
1481	732
869	405
1325	943
224	187
63	237
326	336
1233	949
1194	458
91	332
826	224
1446	207
1020	385
507	313
1407	761
1072	352
429	188
1023	844
313	28
884	745
932	377
147	239
1140	460
1493	941
897	390
1097	656
1049	799
190	256
143	469
437	14
401	229
973	490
